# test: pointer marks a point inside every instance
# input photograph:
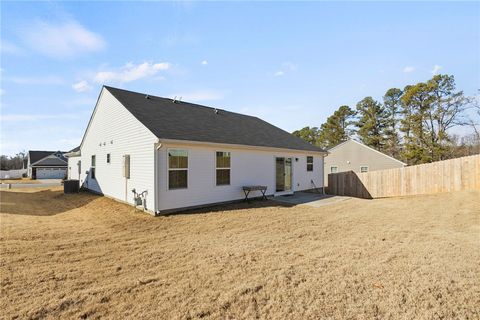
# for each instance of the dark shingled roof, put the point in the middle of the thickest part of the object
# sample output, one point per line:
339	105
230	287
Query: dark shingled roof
186	121
51	161
35	156
38	155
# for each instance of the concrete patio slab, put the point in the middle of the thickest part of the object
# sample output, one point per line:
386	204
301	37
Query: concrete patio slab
310	199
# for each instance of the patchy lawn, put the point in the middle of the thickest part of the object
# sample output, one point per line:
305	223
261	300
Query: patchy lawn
22	180
70	256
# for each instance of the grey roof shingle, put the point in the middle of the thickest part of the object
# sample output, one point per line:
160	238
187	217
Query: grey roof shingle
51	161
187	121
38	155
35	156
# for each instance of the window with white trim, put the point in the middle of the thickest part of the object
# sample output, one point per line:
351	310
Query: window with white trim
108	157
177	169
222	168
333	169
92	167
309	163
363	169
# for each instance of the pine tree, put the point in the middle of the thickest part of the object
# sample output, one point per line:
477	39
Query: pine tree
372	121
392	103
429	110
308	134
337	128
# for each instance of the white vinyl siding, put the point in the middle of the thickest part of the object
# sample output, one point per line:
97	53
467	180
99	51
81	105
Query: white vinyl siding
73	168
248	167
113	129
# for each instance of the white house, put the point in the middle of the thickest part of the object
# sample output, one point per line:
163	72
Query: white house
182	155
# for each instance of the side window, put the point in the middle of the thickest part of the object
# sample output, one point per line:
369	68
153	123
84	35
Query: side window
309	163
177	169
126	166
108	157
222	168
79	165
333	169
92	167
364	169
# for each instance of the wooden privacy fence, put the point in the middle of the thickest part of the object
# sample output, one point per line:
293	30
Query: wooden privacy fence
442	176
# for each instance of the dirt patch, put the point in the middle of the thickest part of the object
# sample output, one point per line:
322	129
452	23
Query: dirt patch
84	256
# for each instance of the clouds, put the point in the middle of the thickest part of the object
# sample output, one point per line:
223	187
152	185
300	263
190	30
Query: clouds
131	72
61	40
286	67
408	69
204	62
81	86
436	69
128	73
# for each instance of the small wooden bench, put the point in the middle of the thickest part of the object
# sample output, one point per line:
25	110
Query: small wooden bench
248	189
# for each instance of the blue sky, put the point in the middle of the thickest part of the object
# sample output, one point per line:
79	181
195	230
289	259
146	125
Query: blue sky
291	64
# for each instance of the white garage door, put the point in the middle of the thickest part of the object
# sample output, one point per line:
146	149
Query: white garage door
51	173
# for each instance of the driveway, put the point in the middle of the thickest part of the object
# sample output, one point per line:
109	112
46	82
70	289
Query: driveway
310	199
41	183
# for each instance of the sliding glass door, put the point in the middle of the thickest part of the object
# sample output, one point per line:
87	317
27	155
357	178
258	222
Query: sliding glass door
283	173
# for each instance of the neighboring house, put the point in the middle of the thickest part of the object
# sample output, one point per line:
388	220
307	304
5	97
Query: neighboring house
74	167
46	165
354	156
183	155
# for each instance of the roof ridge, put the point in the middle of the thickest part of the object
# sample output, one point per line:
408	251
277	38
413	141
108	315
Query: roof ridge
192	104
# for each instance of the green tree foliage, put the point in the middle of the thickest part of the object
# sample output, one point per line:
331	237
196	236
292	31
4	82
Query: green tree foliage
430	109
392	102
338	127
371	123
11	163
412	124
308	134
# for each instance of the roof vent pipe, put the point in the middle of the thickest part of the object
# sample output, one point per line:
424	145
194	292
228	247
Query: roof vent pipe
216	111
147	97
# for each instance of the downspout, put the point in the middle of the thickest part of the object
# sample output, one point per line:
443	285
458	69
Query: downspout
156	170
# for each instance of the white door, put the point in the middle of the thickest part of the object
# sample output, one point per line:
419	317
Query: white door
51	173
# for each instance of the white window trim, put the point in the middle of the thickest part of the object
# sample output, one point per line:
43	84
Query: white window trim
368	169
217	168
333	167
177	169
313	164
93	166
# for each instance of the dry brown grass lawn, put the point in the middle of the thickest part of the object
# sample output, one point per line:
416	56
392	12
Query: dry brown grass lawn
84	256
22	180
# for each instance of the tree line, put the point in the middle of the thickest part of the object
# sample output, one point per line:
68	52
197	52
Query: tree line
413	125
18	161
